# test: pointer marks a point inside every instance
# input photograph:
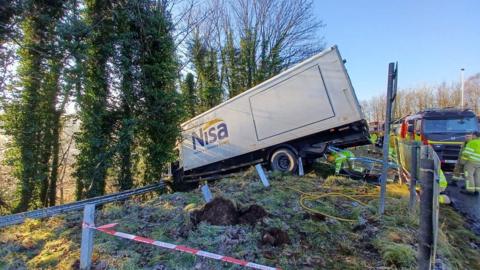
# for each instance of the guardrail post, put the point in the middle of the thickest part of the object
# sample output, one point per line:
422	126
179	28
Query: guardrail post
262	175
426	207
86	249
413	178
207	194
300	167
437	165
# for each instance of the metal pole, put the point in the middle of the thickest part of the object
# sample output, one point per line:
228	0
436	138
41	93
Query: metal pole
386	138
262	175
413	178
300	167
426	208
463	85
86	248
435	206
207	194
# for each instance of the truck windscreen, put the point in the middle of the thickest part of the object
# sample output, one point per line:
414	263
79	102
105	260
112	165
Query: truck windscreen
455	125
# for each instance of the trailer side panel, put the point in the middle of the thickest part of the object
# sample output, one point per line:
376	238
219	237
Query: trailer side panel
312	97
296	102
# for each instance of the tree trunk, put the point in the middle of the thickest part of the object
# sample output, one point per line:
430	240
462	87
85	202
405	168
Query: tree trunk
52	189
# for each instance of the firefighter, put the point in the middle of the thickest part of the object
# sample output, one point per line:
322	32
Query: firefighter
443	198
459	168
339	157
470	159
392	153
373	138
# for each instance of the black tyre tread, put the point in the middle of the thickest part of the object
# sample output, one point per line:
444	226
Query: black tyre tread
285	151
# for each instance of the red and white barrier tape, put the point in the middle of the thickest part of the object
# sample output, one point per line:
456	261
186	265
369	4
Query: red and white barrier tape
108	230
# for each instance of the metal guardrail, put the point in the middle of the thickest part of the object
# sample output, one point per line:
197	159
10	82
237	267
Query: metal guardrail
60	209
419	164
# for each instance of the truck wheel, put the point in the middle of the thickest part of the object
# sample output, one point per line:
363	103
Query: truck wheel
284	160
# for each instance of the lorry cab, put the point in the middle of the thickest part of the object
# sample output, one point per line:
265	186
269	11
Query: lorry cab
444	129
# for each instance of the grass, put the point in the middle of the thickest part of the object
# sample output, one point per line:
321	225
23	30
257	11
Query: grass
398	255
316	242
457	243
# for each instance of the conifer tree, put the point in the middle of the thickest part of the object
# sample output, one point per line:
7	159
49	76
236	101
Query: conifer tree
205	63
189	95
231	66
257	39
212	93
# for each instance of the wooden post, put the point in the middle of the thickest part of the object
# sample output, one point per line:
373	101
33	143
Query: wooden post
86	248
413	177
426	208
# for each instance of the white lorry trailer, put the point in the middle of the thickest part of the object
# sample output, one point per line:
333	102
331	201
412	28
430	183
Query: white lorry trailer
294	114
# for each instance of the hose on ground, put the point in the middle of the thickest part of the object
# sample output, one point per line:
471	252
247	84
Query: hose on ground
315	196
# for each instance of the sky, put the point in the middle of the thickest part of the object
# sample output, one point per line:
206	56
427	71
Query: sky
431	40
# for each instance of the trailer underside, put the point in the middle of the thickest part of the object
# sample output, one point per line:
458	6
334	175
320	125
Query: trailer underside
308	147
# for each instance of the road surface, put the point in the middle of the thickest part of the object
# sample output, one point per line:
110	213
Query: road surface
469	205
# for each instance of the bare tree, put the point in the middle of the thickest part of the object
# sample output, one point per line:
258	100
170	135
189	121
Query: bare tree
413	100
257	39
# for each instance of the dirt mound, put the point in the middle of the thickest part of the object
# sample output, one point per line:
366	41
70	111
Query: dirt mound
252	214
275	237
221	211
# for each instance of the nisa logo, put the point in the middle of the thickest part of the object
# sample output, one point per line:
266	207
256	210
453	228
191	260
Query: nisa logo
211	134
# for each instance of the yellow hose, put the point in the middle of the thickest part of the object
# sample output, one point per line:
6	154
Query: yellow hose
314	196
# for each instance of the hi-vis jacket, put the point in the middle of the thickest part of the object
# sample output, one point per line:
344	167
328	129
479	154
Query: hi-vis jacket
471	151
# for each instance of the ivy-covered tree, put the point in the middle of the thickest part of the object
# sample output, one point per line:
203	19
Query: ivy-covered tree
28	116
126	39
51	118
160	104
95	155
7	12
118	60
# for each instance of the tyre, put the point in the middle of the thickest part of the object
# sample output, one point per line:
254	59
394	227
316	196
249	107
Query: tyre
284	160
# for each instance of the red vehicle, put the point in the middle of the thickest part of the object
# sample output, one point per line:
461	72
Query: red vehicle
444	129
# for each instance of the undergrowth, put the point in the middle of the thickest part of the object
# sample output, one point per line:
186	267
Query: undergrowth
316	241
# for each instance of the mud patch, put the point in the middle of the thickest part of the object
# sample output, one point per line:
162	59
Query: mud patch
275	237
252	214
221	211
